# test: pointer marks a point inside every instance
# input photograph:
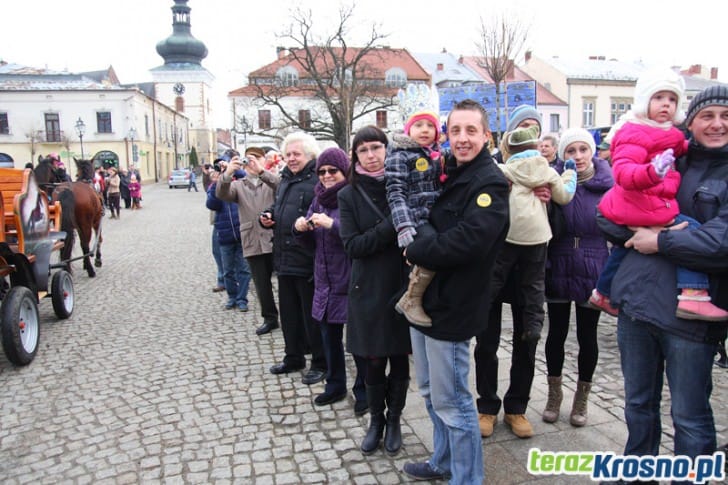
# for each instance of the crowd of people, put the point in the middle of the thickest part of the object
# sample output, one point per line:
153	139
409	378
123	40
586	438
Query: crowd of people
402	247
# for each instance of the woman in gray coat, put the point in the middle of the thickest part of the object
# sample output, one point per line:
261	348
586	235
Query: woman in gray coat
375	330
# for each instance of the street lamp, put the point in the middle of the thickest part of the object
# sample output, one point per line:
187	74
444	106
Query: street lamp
132	135
81	130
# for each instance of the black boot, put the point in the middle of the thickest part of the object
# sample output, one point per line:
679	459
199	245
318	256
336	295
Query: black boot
375	398
396	398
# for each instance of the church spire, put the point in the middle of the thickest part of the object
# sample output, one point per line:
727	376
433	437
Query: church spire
181	47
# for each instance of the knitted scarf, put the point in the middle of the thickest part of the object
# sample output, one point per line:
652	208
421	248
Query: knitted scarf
586	175
327	197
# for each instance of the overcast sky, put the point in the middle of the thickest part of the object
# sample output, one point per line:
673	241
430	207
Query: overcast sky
85	35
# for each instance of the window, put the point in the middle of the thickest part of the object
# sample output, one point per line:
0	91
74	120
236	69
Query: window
381	119
146	125
304	118
264	119
554	123
287	76
52	127
103	122
179	104
4	126
619	106
587	110
395	77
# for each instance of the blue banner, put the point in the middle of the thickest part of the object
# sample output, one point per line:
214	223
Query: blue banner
517	93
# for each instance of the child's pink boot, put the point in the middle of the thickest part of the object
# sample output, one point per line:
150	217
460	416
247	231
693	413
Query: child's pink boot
694	304
600	302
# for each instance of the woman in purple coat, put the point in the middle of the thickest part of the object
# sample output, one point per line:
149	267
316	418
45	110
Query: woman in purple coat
575	259
332	267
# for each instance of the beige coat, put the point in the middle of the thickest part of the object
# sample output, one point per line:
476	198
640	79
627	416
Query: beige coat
251	199
529	220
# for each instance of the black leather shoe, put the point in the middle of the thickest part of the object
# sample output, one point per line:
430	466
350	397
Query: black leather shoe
267	327
313	376
329	398
361	407
284	368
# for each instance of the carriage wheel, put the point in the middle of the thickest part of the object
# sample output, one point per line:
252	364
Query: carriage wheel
62	294
20	325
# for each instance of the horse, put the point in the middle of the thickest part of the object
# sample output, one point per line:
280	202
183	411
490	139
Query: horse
81	209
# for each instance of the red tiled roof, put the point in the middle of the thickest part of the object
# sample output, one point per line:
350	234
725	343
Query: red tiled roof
543	95
376	61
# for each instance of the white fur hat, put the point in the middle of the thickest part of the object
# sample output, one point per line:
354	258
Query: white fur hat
573	135
653	81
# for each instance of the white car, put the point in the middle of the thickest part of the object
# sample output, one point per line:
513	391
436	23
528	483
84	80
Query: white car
179	178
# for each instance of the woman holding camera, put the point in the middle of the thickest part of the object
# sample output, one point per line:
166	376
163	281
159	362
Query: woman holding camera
320	229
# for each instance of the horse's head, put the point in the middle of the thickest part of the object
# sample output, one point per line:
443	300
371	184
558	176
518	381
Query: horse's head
84	169
45	171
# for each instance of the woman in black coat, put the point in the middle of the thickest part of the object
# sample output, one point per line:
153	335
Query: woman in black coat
375	330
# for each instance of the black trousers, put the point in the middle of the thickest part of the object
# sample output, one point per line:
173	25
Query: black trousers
523	360
261	269
301	334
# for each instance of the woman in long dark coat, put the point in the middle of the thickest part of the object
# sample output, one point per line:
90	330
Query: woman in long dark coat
375	330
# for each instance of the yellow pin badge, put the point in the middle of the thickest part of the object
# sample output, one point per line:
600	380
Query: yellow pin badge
421	164
483	200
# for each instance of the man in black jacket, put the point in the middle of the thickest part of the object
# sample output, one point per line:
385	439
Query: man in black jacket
292	262
470	218
653	341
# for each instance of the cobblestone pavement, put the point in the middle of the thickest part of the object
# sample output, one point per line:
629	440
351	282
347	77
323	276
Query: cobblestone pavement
151	381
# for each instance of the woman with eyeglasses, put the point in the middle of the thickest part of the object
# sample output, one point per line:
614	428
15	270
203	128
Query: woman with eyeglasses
375	330
320	229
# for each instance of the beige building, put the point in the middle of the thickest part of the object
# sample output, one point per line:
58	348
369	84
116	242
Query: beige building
86	115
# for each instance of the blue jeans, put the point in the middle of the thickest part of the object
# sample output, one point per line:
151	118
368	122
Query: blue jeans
686	278
218	259
236	274
442	369
647	353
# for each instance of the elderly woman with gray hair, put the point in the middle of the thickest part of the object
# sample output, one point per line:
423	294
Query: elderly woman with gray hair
292	262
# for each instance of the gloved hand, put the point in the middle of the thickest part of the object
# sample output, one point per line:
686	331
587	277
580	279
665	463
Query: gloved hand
406	236
663	162
570	164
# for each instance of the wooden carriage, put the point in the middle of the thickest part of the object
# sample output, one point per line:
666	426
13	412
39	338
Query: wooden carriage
28	240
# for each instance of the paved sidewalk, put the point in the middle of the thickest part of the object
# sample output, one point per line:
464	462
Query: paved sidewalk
152	381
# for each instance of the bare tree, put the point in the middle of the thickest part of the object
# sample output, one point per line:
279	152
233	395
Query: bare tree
502	38
345	82
35	137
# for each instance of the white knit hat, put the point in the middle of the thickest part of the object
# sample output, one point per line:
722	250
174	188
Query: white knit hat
653	81
573	135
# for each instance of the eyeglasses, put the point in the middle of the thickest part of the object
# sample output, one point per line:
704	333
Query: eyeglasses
371	148
330	171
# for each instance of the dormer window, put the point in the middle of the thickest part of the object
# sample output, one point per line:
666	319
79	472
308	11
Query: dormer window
287	76
395	77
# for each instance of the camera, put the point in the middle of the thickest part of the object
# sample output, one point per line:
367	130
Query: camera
311	224
216	167
244	160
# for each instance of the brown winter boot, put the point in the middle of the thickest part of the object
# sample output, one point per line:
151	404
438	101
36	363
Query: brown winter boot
553	404
578	409
410	305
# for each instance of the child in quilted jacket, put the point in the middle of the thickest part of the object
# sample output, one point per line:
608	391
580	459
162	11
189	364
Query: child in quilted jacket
644	146
412	172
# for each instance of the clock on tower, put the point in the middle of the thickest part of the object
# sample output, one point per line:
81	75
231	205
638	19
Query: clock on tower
179	89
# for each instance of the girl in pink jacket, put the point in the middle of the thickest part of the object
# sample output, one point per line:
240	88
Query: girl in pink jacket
644	146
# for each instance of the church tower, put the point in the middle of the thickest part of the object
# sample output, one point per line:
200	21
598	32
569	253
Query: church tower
184	84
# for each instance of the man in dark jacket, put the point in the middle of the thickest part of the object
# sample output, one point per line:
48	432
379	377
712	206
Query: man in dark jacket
293	263
471	220
652	340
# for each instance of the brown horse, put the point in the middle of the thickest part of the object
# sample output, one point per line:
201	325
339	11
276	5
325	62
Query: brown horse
81	209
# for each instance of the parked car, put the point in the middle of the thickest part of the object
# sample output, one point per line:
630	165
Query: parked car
179	178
